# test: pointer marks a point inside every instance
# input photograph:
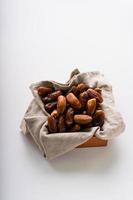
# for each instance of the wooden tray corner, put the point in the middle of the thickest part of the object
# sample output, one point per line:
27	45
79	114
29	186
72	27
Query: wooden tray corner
94	142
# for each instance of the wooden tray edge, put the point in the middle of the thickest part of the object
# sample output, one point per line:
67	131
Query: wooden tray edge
93	142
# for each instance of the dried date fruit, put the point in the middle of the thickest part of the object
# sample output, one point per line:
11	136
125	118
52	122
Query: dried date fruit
99	107
91	106
73	90
75	128
76	109
98	90
51	97
82	119
52	124
83	97
61	104
55	114
46	99
69	116
43	91
99	117
73	101
87	126
94	94
61	124
82	87
49	107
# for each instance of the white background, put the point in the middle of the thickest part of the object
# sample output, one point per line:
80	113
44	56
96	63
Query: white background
42	40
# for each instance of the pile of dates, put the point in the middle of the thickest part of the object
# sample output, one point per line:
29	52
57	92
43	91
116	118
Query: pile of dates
76	109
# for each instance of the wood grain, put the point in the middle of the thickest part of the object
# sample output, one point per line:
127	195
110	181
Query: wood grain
94	142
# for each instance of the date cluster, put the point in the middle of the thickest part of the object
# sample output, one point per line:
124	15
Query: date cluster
76	109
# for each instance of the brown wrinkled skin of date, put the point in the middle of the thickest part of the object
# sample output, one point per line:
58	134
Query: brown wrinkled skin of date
54	114
61	104
73	90
43	91
91	106
50	106
83	97
52	124
82	87
73	101
94	94
61	124
99	107
69	116
99	118
98	90
82	119
52	96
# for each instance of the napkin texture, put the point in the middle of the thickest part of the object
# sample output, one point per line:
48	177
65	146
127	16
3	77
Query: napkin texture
56	144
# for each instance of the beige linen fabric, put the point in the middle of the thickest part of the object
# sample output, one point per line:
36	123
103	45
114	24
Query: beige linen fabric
56	144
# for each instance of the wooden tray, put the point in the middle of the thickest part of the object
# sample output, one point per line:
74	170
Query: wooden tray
94	142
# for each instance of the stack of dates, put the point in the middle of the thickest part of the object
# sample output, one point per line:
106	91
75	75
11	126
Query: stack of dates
76	109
